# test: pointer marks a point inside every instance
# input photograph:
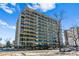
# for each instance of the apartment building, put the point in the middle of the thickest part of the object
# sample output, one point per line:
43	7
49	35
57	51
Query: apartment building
35	30
71	35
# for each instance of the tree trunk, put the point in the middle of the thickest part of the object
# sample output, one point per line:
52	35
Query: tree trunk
76	46
59	37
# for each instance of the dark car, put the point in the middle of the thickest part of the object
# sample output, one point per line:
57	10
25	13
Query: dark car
1	49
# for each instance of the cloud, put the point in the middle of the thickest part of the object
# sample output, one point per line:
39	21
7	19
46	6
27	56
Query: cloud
7	9
42	6
11	27
5	24
14	4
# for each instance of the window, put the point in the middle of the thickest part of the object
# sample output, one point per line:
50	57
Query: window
22	39
22	43
22	35
22	17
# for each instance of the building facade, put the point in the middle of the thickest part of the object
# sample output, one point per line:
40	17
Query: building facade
71	35
34	29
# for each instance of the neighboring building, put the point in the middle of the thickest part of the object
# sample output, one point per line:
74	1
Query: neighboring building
35	29
1	45
70	35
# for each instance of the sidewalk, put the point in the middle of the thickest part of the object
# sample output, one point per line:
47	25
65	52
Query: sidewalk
39	53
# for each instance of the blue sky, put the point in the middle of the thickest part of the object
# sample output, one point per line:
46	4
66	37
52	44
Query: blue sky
9	13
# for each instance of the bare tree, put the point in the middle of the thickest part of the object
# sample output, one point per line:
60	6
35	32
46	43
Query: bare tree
75	36
0	39
59	17
6	40
8	44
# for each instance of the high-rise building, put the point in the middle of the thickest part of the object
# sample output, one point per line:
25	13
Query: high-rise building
34	29
71	35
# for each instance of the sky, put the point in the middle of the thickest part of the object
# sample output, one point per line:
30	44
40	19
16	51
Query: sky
9	13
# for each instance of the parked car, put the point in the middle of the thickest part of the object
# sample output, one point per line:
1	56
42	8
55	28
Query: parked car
66	50
1	49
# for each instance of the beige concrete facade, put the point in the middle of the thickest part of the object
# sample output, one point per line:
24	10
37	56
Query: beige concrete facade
34	29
